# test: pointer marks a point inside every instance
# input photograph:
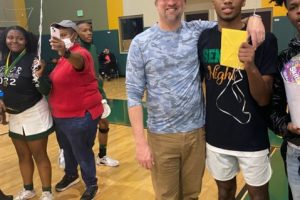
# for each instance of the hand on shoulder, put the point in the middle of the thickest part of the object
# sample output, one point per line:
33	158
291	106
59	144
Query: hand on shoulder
293	128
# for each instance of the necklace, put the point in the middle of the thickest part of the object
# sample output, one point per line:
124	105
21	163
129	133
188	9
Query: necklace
8	67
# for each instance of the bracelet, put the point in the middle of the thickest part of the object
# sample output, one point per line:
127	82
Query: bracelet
67	54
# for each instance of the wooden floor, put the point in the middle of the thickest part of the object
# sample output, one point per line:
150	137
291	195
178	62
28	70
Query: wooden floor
126	182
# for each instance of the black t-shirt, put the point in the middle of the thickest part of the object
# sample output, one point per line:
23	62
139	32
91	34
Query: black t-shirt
234	121
21	93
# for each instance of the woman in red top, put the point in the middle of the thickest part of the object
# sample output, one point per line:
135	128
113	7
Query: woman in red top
76	107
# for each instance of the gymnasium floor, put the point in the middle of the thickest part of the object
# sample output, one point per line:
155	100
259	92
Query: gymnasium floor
128	181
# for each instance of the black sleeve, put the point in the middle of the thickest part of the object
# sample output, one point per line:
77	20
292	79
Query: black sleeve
45	84
278	116
266	56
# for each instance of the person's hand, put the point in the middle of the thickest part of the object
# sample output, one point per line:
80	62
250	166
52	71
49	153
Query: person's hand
41	67
57	45
2	107
3	118
246	54
256	30
293	128
2	113
144	156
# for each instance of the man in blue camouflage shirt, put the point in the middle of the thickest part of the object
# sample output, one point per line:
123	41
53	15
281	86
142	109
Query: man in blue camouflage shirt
163	61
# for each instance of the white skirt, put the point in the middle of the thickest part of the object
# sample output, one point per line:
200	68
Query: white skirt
34	123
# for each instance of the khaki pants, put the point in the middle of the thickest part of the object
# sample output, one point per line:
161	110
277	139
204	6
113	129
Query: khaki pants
179	164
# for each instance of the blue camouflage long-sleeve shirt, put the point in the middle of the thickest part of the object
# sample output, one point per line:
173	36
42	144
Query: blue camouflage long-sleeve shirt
166	65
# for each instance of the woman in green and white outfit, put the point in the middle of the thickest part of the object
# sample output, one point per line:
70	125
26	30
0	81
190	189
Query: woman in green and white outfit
30	120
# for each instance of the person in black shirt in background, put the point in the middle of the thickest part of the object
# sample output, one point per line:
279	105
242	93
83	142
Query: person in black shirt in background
236	129
108	62
30	120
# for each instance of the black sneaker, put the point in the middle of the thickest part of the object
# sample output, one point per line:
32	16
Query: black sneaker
90	193
66	182
5	197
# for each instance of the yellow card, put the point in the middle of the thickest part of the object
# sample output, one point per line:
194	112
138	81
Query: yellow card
230	44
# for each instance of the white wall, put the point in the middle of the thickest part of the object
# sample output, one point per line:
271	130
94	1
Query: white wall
144	7
148	10
253	4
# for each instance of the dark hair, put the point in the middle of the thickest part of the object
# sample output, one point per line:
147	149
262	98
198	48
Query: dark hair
31	40
279	2
84	22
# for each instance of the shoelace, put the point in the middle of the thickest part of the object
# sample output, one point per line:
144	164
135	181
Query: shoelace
22	194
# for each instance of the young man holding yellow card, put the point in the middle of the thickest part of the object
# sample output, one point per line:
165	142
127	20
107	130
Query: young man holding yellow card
238	81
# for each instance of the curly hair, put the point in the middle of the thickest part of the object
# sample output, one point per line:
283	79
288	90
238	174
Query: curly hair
279	2
31	40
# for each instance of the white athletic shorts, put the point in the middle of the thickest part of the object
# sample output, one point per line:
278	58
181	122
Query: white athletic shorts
34	123
256	170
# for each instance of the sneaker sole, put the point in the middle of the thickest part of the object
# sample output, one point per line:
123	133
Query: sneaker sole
70	185
95	195
102	164
29	197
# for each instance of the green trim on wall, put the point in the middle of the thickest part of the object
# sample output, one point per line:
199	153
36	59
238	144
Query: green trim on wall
119	112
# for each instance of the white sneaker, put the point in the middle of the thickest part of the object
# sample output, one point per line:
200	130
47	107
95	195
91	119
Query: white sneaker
25	194
46	196
107	161
61	159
